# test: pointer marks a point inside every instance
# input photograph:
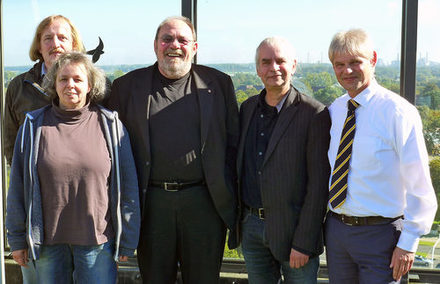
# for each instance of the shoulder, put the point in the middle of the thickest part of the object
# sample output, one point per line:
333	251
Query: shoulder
134	75
339	103
392	103
19	79
250	101
35	114
31	75
107	114
310	102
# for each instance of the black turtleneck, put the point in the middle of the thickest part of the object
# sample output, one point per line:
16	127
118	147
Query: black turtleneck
175	130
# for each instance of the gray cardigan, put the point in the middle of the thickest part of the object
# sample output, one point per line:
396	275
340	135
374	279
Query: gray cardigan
24	216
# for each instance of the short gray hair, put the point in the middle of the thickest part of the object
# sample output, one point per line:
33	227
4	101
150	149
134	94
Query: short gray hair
354	42
95	76
271	41
186	20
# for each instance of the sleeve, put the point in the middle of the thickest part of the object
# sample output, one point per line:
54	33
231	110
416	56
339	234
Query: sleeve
112	99
16	201
11	123
232	131
308	232
232	134
130	211
421	201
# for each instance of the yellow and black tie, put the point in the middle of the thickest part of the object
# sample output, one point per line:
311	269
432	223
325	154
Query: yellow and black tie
338	187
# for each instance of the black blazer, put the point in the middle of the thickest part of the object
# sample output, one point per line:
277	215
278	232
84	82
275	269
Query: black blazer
294	175
131	97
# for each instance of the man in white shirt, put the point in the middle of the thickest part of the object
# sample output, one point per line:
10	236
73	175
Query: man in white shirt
381	198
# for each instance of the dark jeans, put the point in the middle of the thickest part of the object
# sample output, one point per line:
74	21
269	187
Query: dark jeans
181	228
262	267
360	254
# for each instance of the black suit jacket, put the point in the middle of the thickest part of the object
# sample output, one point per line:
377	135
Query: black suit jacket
131	97
294	175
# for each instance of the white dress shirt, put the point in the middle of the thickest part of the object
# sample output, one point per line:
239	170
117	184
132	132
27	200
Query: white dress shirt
389	167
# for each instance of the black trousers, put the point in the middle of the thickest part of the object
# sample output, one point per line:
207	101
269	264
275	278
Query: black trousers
181	228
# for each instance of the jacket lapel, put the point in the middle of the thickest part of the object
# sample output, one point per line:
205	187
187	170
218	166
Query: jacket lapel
205	96
246	117
142	105
286	115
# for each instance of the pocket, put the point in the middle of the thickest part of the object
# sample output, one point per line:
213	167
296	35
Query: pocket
245	217
369	151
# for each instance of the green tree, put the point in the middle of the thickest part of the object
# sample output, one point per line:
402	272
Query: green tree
390	84
432	90
252	91
245	79
318	81
112	76
328	94
434	167
431	129
9	75
241	96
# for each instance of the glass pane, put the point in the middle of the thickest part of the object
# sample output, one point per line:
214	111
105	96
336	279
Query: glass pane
126	28
428	103
228	41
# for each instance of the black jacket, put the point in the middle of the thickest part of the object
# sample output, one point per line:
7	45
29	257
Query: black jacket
131	97
294	174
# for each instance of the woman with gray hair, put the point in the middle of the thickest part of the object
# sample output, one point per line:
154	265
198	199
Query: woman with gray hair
73	205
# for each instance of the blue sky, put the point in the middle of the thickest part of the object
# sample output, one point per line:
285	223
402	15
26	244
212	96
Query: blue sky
228	30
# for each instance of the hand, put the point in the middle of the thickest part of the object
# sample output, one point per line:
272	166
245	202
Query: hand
21	257
298	259
401	262
123	258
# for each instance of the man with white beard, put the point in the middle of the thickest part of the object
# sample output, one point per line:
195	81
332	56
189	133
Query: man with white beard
183	123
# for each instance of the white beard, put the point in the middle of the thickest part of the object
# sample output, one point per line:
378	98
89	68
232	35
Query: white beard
175	69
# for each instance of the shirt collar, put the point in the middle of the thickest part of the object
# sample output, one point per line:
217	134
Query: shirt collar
364	97
281	103
279	106
43	69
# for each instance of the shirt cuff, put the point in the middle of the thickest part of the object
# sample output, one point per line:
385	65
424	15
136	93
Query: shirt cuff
302	251
408	242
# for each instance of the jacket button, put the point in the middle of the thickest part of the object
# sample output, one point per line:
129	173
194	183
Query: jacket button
147	163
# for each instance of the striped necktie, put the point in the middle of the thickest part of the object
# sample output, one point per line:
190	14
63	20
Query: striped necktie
338	187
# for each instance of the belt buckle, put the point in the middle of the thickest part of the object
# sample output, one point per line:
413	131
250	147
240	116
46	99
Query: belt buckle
166	184
261	213
346	222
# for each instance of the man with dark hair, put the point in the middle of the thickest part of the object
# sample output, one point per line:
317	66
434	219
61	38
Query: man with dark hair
54	35
183	123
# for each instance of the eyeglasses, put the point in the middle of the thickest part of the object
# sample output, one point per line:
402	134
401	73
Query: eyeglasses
169	39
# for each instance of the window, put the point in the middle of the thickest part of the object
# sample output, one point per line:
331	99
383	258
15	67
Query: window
428	103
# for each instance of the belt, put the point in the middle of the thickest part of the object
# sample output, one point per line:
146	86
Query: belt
363	221
259	212
175	186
